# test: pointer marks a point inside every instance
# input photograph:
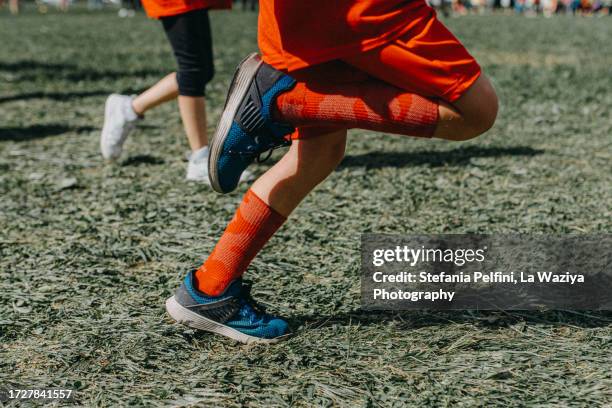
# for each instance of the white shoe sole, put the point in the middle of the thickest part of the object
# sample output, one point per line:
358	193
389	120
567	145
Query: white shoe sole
245	73
185	316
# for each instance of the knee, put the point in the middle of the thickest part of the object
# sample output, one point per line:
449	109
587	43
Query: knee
483	118
478	127
192	82
488	112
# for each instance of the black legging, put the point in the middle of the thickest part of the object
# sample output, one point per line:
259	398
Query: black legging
189	35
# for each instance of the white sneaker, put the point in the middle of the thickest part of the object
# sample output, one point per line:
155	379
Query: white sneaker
119	120
197	168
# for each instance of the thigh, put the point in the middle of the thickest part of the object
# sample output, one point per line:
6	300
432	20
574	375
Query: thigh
428	60
190	37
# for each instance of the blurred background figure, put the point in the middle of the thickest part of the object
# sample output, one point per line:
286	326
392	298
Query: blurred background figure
549	7
95	4
529	8
606	7
520	6
13	6
506	6
249	5
128	7
187	28
63	5
443	6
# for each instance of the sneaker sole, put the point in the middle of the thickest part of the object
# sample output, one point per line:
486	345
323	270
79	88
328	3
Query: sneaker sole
185	316
245	73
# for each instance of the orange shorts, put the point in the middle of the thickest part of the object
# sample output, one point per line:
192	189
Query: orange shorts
427	60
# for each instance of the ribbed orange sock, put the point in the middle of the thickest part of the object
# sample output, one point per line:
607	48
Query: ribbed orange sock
252	226
371	104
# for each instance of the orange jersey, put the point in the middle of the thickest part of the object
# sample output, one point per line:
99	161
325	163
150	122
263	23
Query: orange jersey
165	8
296	34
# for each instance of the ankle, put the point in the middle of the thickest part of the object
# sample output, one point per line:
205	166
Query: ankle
139	112
207	286
199	154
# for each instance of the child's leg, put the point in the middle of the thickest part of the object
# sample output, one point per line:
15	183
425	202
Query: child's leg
371	104
438	66
265	207
193	115
307	164
457	102
190	37
378	106
163	91
192	109
214	298
469	116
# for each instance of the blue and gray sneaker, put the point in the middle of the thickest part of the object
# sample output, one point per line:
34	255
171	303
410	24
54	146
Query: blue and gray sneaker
246	129
233	314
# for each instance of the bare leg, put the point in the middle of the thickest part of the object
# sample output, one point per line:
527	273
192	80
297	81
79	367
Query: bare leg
193	113
193	109
307	163
471	115
163	91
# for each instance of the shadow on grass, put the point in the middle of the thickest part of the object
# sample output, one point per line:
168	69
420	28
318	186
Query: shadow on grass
56	96
142	159
61	96
33	65
25	70
27	133
455	157
416	319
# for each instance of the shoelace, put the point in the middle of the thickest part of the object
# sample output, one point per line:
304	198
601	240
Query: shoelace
256	150
247	300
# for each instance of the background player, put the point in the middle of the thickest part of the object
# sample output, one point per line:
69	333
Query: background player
187	27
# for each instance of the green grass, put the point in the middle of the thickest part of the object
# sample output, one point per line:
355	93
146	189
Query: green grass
89	251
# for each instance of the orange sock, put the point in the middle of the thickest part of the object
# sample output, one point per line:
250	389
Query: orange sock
371	104
252	226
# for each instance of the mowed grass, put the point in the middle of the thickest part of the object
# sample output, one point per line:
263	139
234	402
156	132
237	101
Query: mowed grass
89	251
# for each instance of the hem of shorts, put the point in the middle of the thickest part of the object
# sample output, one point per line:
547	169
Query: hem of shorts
461	86
192	94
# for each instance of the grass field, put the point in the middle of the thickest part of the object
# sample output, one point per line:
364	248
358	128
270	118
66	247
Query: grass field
89	251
